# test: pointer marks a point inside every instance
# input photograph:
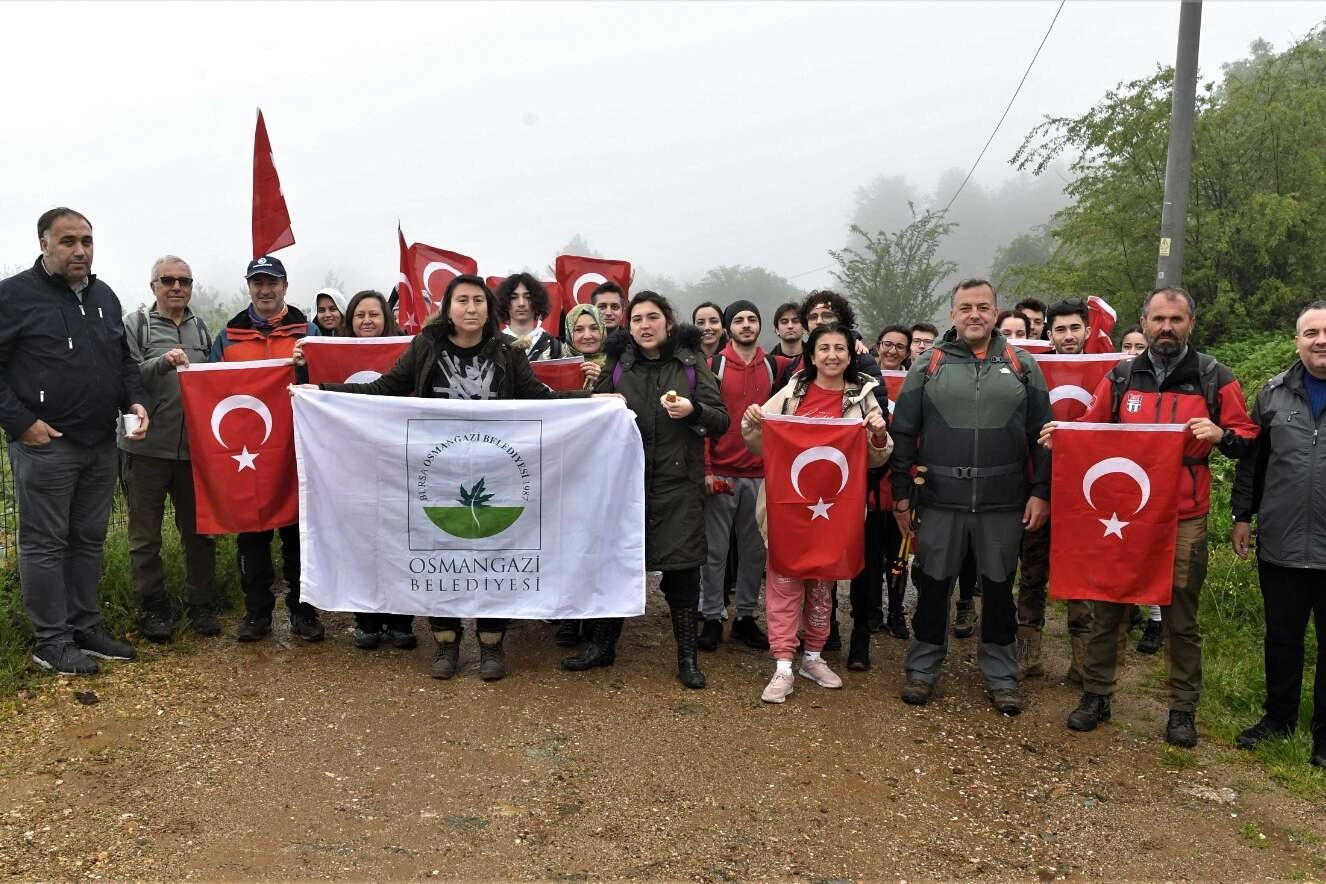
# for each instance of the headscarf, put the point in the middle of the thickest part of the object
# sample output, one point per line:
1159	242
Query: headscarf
572	317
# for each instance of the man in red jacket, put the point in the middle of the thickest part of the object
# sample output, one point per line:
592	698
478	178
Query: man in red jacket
1171	383
732	478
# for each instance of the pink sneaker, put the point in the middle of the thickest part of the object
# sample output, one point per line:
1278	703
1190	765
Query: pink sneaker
819	672
779	687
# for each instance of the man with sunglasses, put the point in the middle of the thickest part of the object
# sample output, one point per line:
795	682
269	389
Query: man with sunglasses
162	337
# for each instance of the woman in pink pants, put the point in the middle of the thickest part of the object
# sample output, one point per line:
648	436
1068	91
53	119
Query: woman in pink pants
829	386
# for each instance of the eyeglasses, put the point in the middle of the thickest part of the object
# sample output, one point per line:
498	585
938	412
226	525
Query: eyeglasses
169	281
889	345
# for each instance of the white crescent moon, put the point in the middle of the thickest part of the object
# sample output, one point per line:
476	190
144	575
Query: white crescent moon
237	403
429	269
596	278
1123	465
363	377
1071	391
819	452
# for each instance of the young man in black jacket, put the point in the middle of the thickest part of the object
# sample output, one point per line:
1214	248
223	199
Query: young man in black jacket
65	376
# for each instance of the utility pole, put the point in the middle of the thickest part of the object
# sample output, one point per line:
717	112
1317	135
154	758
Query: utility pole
1178	163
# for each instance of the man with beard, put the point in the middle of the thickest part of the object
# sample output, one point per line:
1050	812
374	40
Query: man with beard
1170	383
732	480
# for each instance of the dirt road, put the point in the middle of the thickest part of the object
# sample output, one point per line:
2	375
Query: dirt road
285	760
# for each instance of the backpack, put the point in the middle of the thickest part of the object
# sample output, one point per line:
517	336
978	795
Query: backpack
1207	374
143	331
937	356
718	363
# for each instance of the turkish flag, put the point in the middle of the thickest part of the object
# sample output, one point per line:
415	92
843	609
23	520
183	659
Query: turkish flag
1102	318
352	360
893	381
431	269
1115	512
410	311
271	218
242	442
560	374
815	496
579	276
1072	379
1032	345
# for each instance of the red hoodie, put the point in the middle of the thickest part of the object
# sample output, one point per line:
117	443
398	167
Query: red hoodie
743	384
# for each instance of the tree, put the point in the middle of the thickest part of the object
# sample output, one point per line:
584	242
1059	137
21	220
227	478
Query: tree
216	308
579	246
893	277
733	282
1008	270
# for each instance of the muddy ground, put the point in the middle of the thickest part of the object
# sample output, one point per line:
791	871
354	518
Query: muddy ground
287	760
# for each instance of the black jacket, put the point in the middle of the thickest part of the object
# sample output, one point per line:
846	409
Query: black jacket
63	361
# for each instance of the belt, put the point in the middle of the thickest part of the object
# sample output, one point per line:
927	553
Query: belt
1006	469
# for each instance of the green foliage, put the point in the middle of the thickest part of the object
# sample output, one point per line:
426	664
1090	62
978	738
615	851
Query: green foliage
476	497
1257	200
893	277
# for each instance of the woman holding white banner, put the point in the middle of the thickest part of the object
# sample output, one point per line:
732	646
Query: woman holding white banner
830	386
461	353
666	381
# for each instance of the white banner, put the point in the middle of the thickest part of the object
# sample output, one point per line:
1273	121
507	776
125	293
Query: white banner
524	509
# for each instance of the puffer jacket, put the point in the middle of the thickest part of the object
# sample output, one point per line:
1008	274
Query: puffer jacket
151	336
674	449
859	400
1282	478
973	424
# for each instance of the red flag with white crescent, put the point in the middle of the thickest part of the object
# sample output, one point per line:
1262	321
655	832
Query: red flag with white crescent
815	496
560	374
352	360
1101	318
1114	521
579	276
410	313
893	381
242	444
1032	345
432	269
1072	380
271	217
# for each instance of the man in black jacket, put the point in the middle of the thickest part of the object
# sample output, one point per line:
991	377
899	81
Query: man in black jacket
65	375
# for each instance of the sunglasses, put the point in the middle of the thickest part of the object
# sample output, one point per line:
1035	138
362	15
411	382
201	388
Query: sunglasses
169	281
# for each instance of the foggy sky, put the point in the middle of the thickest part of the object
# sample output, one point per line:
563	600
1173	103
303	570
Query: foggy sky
678	136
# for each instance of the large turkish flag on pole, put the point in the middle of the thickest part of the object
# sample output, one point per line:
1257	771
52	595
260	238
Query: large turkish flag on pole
271	218
242	442
1102	317
815	496
351	360
1114	512
410	312
432	269
579	276
1072	378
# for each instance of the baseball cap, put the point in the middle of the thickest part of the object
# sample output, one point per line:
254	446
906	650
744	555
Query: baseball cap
265	266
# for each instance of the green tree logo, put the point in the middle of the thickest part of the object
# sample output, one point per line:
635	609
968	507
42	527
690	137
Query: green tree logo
475	517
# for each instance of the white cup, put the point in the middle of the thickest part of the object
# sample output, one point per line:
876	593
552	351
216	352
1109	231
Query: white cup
131	422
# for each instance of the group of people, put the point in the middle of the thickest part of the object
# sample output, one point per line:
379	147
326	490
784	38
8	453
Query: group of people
958	476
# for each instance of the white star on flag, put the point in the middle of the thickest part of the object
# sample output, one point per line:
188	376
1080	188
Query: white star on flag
245	460
819	510
1113	526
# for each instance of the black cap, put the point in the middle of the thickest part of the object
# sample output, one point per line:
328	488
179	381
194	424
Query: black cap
265	266
730	313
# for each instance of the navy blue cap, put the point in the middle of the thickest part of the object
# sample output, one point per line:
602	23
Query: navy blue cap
265	266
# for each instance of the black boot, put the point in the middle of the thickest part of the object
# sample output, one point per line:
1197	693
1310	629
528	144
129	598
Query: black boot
568	633
858	649
602	647
683	630
1093	710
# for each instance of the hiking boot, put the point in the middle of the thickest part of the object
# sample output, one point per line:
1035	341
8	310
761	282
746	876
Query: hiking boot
446	659
1029	653
780	687
155	626
602	647
567	634
917	691
492	657
897	626
65	659
683	630
401	638
1091	712
711	633
747	629
1153	637
819	672
835	640
965	624
99	643
306	625
203	622
858	649
1136	618
1265	729
875	623
254	627
1181	729
1007	700
366	640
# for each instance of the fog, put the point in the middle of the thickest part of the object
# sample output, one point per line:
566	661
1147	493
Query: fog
678	136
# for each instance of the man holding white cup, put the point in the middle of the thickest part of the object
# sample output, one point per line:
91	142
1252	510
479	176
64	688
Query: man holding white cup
65	376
